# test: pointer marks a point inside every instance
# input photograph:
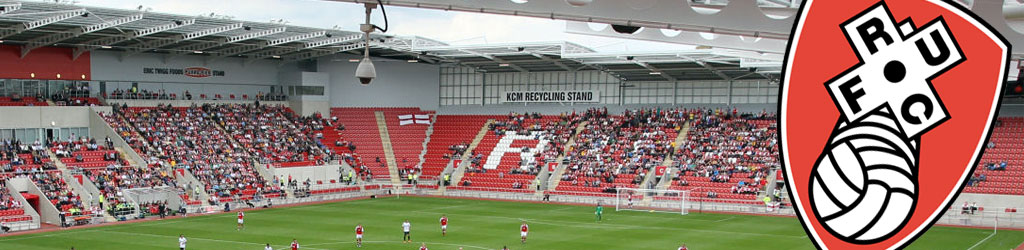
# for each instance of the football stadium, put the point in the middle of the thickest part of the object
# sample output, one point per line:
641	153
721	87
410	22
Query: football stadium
529	124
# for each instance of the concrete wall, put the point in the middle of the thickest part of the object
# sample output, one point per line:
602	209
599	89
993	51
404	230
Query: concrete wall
110	66
398	84
313	173
47	212
239	78
14	193
554	109
307	104
990	201
46	117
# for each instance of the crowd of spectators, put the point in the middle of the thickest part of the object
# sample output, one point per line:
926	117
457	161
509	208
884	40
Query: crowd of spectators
611	148
114	179
6	201
194	138
978	178
723	145
19	157
57	190
135	93
268	134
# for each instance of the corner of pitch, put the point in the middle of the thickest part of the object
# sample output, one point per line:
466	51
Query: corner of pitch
863	188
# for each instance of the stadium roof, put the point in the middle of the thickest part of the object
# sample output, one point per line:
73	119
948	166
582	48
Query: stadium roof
86	28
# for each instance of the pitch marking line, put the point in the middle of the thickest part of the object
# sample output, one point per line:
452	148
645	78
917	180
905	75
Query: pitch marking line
130	225
982	241
621	226
197	238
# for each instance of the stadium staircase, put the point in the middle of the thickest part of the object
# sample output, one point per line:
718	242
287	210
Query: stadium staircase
666	179
445	132
361	129
189	180
389	153
133	157
426	139
76	187
405	143
460	170
556	177
772	176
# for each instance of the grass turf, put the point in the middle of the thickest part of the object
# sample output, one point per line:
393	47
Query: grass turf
473	224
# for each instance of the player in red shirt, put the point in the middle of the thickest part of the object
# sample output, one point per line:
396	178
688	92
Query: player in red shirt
295	244
683	247
523	230
444	225
359	235
423	246
241	222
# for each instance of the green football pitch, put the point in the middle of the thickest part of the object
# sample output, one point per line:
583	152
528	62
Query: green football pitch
474	224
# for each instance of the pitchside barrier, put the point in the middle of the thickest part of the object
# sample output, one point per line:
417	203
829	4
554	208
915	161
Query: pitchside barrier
982	217
696	202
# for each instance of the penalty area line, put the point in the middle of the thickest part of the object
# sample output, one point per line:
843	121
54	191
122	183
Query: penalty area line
982	240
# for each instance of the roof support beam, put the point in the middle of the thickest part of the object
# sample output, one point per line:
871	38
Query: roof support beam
656	71
548	59
108	41
397	45
236	50
318	53
155	44
501	62
72	33
18	28
9	7
310	45
709	67
232	39
332	40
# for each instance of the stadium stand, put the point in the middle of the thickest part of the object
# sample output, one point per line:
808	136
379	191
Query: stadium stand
727	156
534	140
268	134
18	157
407	139
57	191
22	101
1001	170
618	151
85	152
10	209
450	139
224	166
114	179
363	139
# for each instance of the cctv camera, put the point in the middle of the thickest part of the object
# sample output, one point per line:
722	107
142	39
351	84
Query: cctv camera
365	71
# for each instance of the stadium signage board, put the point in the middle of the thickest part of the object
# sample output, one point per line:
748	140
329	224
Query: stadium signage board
550	96
914	86
194	72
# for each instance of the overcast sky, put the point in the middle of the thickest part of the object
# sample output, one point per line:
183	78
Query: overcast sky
452	27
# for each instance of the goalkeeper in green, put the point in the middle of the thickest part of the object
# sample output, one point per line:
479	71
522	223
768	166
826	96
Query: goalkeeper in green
598	211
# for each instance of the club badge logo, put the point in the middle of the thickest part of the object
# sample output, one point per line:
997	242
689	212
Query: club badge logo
884	111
